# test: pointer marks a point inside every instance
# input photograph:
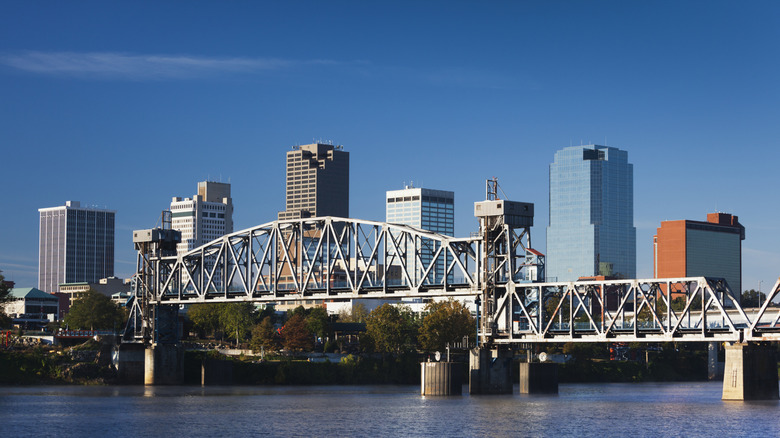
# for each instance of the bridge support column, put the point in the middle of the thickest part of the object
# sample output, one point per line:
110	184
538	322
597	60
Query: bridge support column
130	364
441	378
164	364
490	371
538	378
750	372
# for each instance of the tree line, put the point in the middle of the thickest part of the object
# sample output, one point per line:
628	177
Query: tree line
388	328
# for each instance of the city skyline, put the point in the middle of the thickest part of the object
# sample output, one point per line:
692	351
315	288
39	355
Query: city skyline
96	111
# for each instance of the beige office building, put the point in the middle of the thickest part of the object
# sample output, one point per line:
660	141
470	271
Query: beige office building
205	217
317	182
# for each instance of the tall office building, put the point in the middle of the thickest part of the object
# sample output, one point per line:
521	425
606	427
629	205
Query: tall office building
686	248
591	230
206	216
75	244
317	182
428	209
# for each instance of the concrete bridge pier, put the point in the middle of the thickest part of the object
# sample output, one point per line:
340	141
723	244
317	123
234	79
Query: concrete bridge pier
164	364
750	372
490	371
441	378
538	378
130	363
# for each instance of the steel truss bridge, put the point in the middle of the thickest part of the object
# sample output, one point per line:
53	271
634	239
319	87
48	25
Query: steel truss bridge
330	258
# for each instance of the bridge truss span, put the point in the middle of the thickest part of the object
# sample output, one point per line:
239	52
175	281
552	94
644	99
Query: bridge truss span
317	258
653	310
329	258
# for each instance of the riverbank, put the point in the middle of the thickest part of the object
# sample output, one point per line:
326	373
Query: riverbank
42	366
90	364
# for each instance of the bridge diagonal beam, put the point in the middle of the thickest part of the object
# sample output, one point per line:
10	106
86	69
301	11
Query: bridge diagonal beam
773	324
264	262
581	306
310	264
533	325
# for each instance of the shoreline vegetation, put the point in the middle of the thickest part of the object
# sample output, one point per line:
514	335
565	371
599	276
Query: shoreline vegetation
90	364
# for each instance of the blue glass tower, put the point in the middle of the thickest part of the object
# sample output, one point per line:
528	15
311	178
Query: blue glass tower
591	230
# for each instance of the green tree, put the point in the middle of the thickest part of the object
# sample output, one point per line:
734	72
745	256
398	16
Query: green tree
586	350
358	313
94	311
5	320
295	335
205	318
236	319
4	289
646	316
392	329
752	298
264	335
317	322
678	304
445	322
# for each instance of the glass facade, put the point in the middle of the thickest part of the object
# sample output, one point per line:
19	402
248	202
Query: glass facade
427	209
75	245
591	230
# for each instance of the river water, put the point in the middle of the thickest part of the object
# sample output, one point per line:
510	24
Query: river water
602	410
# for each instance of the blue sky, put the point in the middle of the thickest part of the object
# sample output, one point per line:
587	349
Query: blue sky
126	104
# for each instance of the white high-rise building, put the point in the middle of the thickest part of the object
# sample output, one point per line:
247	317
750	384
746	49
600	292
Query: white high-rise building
76	244
427	209
205	217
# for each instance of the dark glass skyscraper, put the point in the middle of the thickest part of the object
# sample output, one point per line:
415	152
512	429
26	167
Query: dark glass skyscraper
76	245
591	230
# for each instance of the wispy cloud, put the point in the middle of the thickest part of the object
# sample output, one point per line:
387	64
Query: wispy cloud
153	67
471	78
109	65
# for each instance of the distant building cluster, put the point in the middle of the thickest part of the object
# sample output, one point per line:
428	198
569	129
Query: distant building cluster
590	233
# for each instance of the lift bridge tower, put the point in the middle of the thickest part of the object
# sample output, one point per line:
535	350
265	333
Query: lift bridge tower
507	259
152	330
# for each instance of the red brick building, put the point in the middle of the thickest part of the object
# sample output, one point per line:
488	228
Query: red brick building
686	248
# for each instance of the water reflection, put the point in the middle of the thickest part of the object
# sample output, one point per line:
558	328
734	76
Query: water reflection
690	409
